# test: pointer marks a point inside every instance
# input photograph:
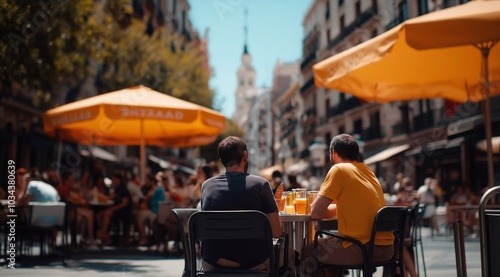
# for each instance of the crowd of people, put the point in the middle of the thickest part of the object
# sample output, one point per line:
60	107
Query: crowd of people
99	207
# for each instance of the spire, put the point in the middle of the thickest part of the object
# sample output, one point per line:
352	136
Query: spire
245	29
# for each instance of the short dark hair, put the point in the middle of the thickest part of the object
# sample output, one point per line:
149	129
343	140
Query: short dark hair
231	151
346	147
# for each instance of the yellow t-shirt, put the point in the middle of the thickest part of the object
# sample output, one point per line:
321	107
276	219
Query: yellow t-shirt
359	196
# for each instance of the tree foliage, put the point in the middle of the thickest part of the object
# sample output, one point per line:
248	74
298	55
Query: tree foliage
51	41
46	41
209	152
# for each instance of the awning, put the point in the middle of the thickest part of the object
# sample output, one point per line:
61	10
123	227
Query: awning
387	153
166	164
297	168
268	172
431	147
97	152
495	141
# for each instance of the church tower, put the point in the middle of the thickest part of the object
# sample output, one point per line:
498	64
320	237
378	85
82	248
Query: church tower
245	91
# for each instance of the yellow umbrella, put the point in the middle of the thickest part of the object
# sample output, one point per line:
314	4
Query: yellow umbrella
134	116
432	56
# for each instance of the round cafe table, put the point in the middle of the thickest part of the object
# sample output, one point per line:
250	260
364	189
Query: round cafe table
300	228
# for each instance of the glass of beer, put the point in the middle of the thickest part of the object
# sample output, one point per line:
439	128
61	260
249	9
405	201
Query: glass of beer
300	202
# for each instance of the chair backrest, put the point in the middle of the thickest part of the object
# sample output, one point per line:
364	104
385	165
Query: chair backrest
489	221
390	218
182	215
47	214
164	211
230	225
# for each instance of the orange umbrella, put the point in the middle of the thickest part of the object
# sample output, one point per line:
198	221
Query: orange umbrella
431	56
134	116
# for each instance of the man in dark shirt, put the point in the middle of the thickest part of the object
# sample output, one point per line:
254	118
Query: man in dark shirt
237	190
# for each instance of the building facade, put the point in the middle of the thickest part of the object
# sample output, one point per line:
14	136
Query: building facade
420	138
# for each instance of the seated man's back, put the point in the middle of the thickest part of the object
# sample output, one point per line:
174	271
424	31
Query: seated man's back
237	190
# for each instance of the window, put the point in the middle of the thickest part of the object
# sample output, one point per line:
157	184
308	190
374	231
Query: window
327	15
375	5
342	22
403	11
174	7
341	2
327	108
423	7
358	8
328	35
358	126
341	129
183	20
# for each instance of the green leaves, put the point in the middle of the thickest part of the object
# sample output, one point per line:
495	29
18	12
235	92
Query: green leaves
50	42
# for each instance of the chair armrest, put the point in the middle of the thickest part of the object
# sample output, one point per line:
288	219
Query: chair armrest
281	240
341	237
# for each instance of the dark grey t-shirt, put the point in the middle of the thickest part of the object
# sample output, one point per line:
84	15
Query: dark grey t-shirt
236	191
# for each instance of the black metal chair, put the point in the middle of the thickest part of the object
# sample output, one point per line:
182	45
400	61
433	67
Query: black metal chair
389	218
236	225
182	215
489	226
413	238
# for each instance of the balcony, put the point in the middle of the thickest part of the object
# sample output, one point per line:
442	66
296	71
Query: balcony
311	57
314	32
399	129
394	22
362	19
307	85
423	121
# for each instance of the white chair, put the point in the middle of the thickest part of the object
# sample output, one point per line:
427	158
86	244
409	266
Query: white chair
44	219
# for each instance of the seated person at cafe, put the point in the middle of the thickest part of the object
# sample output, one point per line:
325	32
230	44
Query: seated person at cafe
38	191
84	214
347	184
148	208
237	190
120	211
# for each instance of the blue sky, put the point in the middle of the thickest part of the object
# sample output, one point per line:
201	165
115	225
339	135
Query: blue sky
274	32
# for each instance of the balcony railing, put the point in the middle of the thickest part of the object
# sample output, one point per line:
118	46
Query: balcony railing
308	59
399	129
394	22
307	85
362	19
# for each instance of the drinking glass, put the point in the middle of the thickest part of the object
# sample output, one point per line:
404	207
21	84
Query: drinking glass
300	202
311	196
288	202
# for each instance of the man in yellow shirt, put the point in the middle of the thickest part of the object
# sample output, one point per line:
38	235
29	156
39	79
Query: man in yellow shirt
352	193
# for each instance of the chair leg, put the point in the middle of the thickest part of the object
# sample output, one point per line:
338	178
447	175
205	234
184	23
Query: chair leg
423	258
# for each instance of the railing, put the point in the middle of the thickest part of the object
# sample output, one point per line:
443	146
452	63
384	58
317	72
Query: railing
307	85
308	59
362	19
394	22
399	129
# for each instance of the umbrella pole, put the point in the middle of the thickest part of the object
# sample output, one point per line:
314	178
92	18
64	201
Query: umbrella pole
59	156
142	153
485	51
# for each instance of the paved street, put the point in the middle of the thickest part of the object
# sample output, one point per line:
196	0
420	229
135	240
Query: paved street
439	256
